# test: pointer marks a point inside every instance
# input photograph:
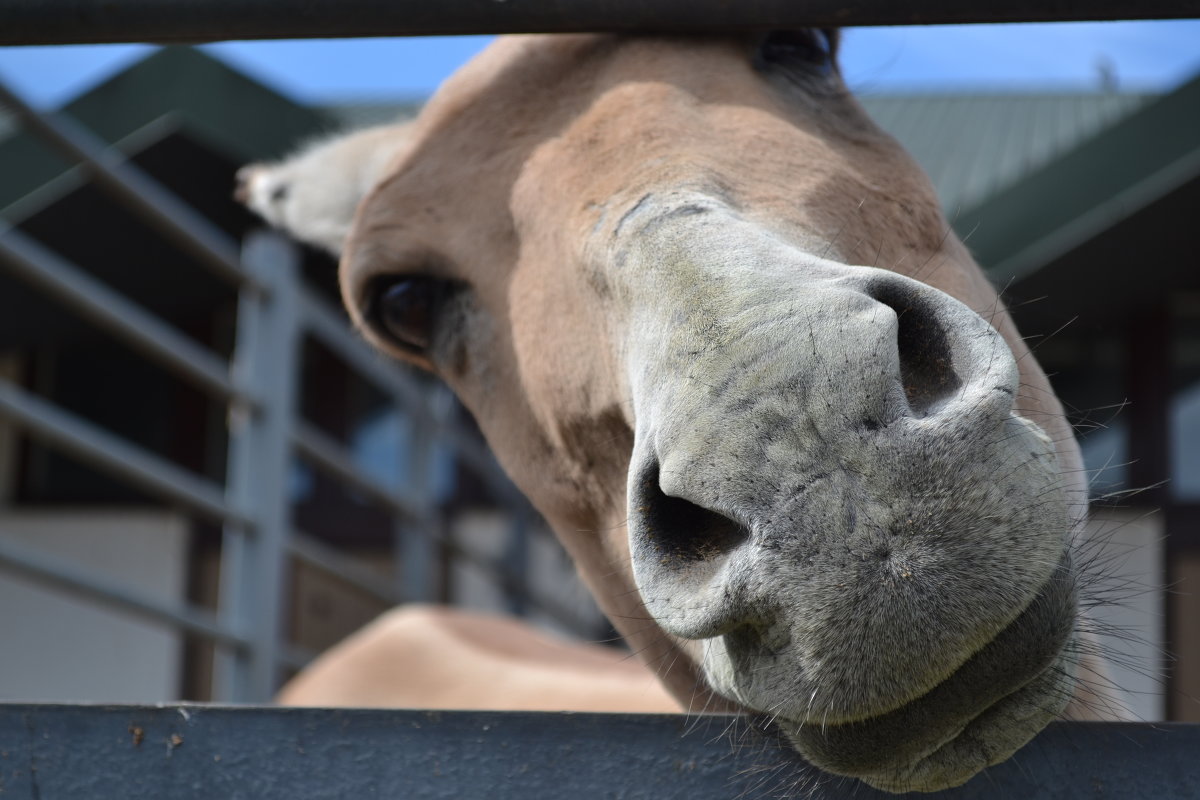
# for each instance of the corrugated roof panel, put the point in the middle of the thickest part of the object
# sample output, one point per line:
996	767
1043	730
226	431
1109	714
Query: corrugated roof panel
941	151
988	136
1122	165
1041	139
973	145
1012	148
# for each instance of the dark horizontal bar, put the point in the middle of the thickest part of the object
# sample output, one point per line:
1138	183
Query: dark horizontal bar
77	21
330	457
116	456
327	454
194	752
329	325
89	585
333	330
116	314
331	561
124	181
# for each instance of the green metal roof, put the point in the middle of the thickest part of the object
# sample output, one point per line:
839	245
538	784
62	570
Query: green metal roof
973	145
1104	179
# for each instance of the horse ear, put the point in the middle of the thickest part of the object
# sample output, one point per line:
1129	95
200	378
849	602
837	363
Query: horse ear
813	50
313	193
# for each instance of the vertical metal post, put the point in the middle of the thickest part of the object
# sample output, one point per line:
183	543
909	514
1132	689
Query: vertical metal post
9	370
1148	387
414	548
253	570
516	559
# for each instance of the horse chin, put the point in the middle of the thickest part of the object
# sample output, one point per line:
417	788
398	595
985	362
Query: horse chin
998	700
989	738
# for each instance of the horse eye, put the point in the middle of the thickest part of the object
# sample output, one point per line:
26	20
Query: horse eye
406	310
813	47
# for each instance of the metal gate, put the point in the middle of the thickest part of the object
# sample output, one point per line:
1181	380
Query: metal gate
258	387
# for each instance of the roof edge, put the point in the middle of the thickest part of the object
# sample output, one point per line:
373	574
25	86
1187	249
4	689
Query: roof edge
1120	170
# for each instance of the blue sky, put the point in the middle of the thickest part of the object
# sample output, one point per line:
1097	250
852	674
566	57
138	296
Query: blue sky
1154	55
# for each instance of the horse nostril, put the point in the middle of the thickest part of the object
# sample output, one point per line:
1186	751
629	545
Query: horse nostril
926	359
680	530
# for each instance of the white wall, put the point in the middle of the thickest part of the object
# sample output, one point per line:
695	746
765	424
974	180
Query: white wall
54	646
1123	568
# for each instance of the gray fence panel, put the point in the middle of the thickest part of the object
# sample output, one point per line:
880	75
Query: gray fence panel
206	753
254	568
259	388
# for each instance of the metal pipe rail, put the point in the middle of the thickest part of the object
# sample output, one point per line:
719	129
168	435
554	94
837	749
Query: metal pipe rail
74	580
326	454
115	455
112	312
242	515
145	332
331	561
159	207
330	329
191	752
330	457
258	386
92	21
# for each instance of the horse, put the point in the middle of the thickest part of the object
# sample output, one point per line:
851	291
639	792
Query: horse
713	323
